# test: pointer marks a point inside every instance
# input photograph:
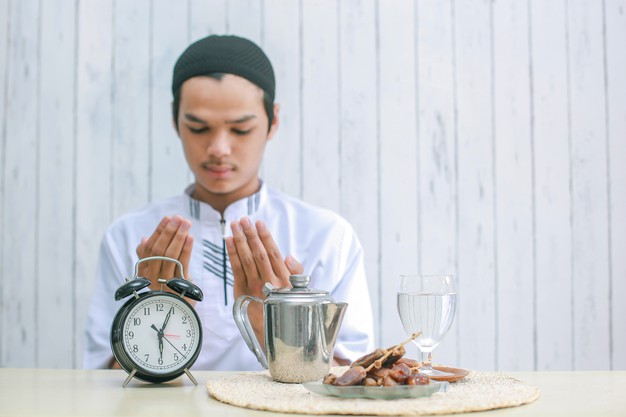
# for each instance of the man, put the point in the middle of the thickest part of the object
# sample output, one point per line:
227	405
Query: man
224	114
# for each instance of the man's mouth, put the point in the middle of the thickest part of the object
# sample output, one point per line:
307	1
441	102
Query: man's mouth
218	169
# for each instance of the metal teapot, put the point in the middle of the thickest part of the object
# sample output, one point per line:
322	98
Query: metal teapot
301	326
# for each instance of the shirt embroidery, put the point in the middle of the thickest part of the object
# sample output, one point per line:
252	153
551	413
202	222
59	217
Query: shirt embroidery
214	260
253	203
194	208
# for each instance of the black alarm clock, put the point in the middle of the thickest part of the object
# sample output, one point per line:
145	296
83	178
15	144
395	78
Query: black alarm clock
156	336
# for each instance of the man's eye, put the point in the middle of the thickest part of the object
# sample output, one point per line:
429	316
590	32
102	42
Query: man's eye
240	132
197	130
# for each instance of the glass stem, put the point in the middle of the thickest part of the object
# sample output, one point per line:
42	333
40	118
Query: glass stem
426	358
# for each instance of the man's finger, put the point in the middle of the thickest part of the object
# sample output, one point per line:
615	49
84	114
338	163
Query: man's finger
263	265
175	248
146	246
273	253
245	255
162	243
141	250
185	255
141	247
156	234
239	275
293	265
151	269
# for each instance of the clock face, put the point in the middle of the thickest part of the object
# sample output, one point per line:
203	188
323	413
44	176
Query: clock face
161	334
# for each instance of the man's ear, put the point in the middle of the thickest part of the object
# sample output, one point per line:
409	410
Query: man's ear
274	125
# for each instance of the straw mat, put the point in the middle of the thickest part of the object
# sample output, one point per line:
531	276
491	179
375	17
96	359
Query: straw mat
478	391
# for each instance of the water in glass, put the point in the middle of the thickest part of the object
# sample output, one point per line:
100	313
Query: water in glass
427	304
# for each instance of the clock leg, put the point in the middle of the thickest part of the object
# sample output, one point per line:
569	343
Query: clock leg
191	377
130	376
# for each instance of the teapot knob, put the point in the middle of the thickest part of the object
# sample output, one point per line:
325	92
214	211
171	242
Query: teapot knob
300	280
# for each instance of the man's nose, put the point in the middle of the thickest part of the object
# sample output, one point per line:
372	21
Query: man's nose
219	146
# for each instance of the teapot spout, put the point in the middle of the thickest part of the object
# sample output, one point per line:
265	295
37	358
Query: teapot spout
332	315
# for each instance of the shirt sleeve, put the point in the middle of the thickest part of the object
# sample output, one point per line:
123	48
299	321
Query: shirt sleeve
356	336
110	275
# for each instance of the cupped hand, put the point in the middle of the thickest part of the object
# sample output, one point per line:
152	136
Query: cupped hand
255	259
171	238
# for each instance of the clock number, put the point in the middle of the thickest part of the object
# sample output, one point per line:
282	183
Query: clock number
185	347
135	348
160	361
136	321
146	311
147	357
176	356
188	333
131	335
184	319
159	307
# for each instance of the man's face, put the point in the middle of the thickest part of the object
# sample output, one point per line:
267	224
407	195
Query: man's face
223	127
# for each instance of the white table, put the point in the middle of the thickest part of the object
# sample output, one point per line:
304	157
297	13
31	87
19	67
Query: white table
65	392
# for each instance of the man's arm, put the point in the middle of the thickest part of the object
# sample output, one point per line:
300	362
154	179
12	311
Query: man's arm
109	276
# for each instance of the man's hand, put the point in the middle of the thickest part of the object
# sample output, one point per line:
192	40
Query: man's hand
172	239
255	260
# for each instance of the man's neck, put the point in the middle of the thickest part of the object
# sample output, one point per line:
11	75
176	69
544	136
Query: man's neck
220	201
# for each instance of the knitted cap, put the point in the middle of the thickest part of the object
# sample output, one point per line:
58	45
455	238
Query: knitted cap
226	54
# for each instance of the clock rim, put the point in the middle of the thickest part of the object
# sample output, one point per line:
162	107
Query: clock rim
117	341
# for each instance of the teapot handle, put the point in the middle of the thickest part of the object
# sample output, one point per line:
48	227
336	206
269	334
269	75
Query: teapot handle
240	314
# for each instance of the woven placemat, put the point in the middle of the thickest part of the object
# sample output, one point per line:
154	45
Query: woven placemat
478	391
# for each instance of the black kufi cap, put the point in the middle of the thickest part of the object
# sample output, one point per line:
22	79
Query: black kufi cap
225	54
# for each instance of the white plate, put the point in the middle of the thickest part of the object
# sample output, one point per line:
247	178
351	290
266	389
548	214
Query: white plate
379	393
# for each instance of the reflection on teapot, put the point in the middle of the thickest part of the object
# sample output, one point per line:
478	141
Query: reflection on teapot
301	327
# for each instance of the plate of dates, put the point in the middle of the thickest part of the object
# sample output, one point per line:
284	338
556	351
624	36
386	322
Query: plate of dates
381	374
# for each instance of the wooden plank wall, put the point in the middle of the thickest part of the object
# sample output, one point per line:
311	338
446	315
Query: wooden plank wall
485	139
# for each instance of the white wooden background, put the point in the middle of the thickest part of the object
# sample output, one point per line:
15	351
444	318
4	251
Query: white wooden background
481	138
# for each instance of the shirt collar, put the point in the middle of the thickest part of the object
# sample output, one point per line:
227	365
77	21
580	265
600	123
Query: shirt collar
246	206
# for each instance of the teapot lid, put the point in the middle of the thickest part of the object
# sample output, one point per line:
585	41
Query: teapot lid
300	284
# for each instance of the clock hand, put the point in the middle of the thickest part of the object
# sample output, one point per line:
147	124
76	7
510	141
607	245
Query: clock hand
160	336
167	318
184	356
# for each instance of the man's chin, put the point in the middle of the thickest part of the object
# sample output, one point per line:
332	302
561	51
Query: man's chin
217	188
223	189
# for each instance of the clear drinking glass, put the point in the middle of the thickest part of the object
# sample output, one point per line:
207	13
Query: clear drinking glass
427	303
